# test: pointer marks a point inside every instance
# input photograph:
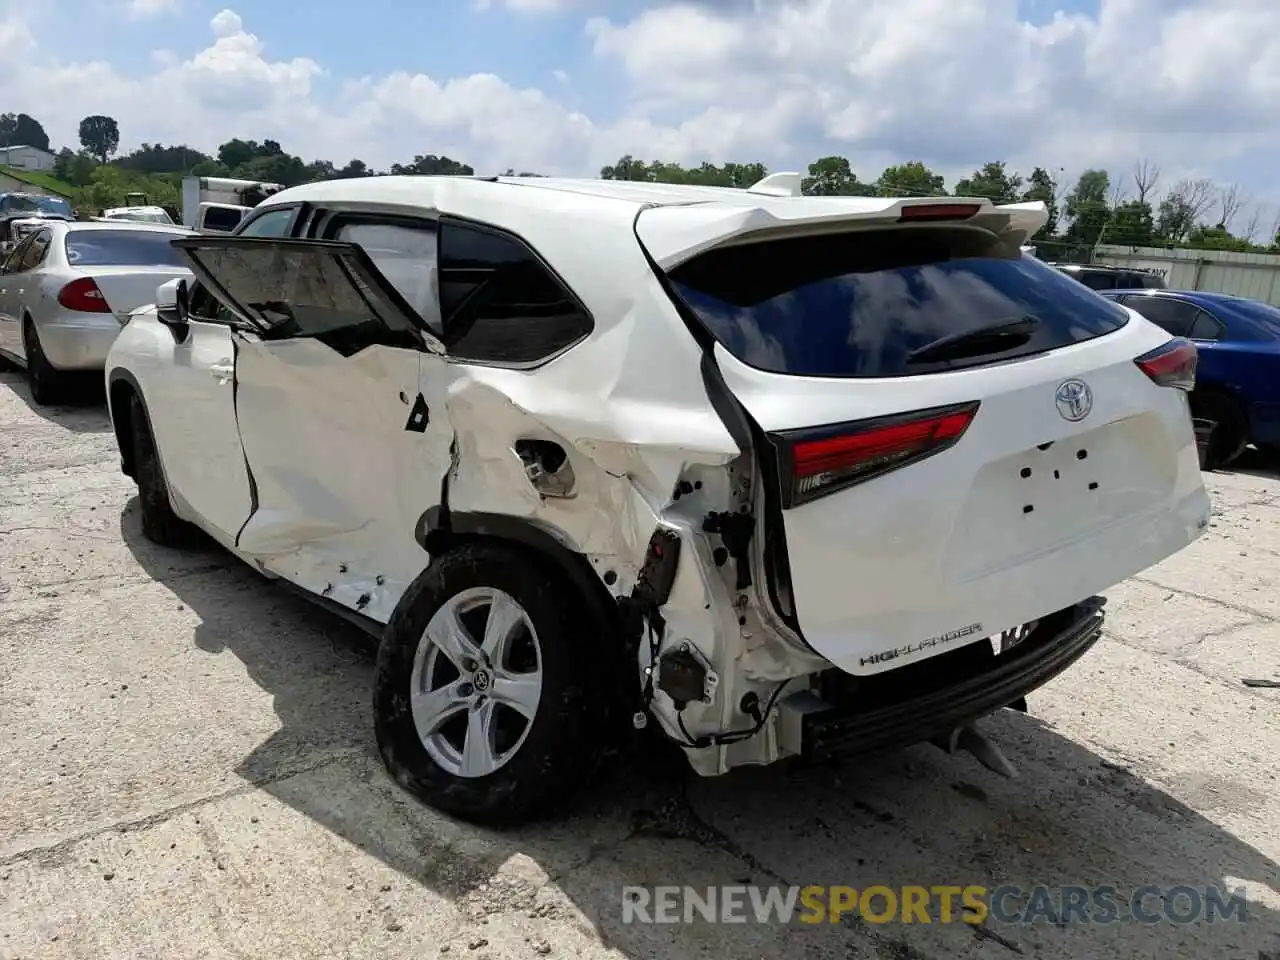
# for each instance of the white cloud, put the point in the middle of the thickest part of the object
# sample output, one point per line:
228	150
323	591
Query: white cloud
1191	84
955	82
226	23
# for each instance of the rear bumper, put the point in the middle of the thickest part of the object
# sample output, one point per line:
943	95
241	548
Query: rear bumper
81	343
943	696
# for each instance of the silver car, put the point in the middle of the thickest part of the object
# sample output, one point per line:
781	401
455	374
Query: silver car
68	288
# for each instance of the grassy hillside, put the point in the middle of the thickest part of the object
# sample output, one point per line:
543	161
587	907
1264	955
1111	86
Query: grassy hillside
106	186
45	181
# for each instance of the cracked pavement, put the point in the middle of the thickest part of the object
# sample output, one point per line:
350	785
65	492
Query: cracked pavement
188	770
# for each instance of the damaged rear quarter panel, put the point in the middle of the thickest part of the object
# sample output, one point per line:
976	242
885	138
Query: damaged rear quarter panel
627	405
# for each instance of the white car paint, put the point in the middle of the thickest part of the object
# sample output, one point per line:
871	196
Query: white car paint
142	214
882	566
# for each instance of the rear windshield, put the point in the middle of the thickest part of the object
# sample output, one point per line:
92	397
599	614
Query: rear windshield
858	304
123	248
144	217
26	201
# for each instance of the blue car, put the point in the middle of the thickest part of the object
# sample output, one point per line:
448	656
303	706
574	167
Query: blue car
1237	394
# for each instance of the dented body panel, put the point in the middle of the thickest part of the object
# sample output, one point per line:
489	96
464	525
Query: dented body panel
339	481
642	432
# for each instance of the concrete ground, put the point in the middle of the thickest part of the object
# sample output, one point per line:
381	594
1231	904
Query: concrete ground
187	770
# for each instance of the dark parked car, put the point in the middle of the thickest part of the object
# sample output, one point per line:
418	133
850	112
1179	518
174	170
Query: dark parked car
1237	395
1100	277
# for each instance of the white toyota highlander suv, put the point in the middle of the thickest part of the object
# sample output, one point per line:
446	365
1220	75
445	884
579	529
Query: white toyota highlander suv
773	475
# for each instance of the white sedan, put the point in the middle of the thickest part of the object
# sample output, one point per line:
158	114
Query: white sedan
775	475
68	287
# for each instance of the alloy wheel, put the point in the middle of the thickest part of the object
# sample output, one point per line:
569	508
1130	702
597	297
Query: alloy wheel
476	682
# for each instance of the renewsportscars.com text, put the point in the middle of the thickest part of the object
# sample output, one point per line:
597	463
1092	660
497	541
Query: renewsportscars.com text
971	904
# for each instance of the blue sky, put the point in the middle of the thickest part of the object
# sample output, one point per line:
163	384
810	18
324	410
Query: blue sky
1190	84
442	39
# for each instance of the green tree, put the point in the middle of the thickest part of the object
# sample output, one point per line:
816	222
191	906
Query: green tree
236	152
834	177
157	158
74	168
430	164
1218	238
274	167
1088	208
353	169
100	136
22	130
740	175
1132	223
109	185
910	179
1180	211
992	181
1041	186
627	168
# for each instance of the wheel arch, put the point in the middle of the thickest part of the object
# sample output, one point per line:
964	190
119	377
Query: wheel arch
440	530
1226	392
122	387
1236	426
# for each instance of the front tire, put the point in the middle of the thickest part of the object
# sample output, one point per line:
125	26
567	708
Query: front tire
47	384
159	523
480	696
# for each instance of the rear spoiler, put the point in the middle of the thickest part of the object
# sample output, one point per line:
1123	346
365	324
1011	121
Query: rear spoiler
676	233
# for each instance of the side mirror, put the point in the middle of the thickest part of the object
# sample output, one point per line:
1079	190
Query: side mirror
172	300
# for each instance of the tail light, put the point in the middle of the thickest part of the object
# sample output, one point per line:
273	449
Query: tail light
822	460
924	212
83	296
1172	364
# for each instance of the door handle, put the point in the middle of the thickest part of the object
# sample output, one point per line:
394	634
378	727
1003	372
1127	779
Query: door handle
223	371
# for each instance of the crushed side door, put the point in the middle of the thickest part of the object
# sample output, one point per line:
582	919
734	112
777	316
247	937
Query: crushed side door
340	404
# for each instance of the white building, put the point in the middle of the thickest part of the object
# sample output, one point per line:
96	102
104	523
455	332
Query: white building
27	158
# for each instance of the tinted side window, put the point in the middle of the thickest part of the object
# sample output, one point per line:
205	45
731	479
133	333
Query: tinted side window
302	291
13	263
405	253
499	302
222	219
1174	316
1151	281
1097	281
1205	327
273	223
205	306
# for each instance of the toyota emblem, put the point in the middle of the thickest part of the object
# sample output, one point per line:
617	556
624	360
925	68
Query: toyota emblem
1074	400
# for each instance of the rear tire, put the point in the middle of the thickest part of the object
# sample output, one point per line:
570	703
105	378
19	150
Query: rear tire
1228	429
159	523
48	385
453	751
